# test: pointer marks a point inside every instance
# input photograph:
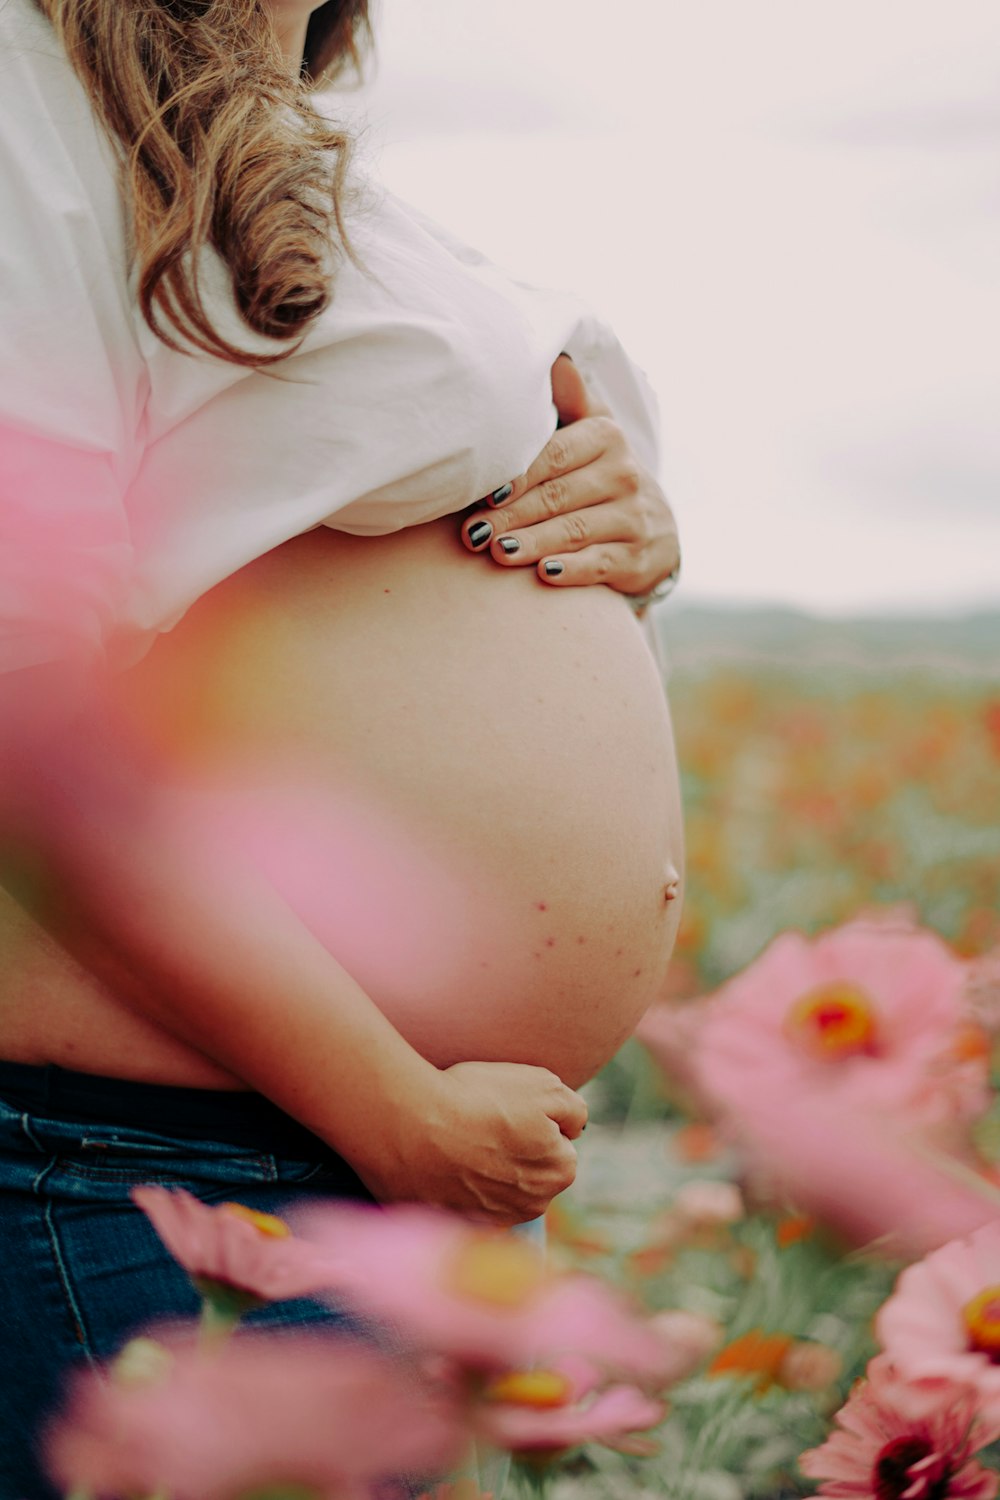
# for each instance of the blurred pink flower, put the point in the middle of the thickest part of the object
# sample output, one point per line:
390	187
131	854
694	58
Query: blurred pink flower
809	1366
859	1174
565	1406
899	1439
689	1338
707	1203
260	1410
671	1032
479	1296
233	1246
943	1319
868	1013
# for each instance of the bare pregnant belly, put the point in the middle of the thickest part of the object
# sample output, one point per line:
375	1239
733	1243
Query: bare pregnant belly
462	780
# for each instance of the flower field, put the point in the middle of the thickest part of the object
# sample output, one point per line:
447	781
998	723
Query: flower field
819	786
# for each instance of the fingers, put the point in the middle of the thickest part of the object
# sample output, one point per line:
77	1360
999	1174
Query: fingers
571	448
568	450
569	1111
614	521
609	489
614	564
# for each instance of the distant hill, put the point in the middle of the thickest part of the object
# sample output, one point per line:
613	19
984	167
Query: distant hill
700	636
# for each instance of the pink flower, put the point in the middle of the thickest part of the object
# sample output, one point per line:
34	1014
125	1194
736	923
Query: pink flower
943	1319
550	1410
810	1367
859	1175
233	1246
868	1014
261	1410
708	1203
478	1296
671	1032
689	1338
899	1439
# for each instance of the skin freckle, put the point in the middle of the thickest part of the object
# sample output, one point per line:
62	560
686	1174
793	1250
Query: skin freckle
581	938
541	906
637	974
550	942
619	952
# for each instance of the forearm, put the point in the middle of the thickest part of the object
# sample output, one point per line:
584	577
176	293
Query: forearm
206	948
148	895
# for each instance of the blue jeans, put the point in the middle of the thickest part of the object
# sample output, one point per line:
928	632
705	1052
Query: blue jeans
80	1267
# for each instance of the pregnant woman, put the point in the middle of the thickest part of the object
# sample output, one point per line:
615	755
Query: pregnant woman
338	856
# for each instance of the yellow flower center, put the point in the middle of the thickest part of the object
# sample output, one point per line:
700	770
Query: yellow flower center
543	1388
142	1362
982	1321
834	1020
496	1269
268	1224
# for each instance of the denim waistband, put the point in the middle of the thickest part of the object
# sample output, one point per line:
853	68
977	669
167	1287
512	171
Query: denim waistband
235	1116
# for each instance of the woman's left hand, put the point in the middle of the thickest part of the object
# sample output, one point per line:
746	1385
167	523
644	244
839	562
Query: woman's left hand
585	512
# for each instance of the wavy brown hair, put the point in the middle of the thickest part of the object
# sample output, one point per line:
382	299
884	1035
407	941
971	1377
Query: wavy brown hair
220	146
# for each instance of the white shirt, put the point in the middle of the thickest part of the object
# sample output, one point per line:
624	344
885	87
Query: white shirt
133	478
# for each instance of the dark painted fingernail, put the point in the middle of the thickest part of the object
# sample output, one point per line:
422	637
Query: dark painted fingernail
553	568
503	493
510	544
480	534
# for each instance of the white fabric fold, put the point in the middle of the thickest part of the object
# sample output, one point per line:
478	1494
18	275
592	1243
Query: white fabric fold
133	477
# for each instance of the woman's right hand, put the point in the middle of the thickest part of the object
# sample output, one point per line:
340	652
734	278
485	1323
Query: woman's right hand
488	1140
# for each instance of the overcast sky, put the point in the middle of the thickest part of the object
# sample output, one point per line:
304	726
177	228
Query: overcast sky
790	212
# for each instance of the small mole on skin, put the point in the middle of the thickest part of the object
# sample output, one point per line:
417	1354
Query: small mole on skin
619	952
541	906
483	964
636	974
550	942
581	938
387	591
536	955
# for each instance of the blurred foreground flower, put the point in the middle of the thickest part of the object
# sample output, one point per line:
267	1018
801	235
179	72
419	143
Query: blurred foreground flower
868	1014
943	1319
483	1298
859	1175
545	1412
232	1254
261	1411
904	1441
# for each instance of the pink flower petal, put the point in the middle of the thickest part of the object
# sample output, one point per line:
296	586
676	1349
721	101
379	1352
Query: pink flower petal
219	1245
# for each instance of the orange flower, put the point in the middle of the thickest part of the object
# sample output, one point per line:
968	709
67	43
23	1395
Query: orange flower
696	1142
794	1228
754	1353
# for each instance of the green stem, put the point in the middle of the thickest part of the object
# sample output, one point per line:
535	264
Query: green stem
215	1324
